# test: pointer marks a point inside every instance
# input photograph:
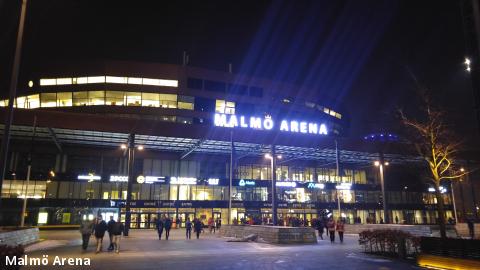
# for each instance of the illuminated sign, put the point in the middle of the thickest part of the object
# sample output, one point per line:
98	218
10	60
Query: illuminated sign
243	183
118	178
267	123
183	180
140	179
316	185
344	186
154	179
442	189
213	181
90	177
286	184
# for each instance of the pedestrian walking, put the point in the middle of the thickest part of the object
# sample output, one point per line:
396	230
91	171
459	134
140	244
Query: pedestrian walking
320	228
340	229
325	225
159	224
471	228
168	226
331	229
188	227
117	230
198	227
100	229
86	229
110	225
218	223
211	225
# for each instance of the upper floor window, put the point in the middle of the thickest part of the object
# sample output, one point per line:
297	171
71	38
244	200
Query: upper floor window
222	106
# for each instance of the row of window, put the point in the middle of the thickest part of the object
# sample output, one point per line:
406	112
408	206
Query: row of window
91	98
107	79
97	190
222	87
302	174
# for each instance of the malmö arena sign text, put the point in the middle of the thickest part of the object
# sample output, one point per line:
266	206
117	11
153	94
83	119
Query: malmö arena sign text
267	123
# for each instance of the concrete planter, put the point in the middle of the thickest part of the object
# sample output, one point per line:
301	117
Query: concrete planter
19	237
272	234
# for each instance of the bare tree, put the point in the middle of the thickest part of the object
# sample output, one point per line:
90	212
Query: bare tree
437	145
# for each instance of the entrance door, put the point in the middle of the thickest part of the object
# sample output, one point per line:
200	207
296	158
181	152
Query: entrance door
184	216
144	221
217	215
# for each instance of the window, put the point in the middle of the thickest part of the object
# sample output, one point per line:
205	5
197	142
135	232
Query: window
133	98
96	79
80	98
64	81
44	82
256	91
214	86
48	100
168	101
222	106
33	101
185	102
132	80
111	79
96	97
114	98
237	89
21	102
194	83
64	99
150	100
80	80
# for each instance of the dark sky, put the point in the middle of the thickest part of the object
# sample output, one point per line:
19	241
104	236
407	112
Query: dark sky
363	54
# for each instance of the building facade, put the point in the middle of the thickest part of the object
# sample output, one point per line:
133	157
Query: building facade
203	145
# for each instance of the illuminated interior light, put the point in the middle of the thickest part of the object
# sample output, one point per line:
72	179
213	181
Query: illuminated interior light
44	82
113	79
96	79
30	84
132	80
64	81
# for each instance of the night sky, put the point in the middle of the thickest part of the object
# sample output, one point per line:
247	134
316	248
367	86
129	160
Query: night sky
368	56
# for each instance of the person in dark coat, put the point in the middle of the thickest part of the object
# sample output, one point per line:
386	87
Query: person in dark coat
320	228
198	227
86	229
188	227
110	225
168	226
117	230
471	228
100	229
159	224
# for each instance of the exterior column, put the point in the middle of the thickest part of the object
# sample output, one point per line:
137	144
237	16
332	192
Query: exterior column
274	185
131	159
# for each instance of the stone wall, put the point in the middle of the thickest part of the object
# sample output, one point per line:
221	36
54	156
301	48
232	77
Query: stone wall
462	230
272	234
419	230
19	237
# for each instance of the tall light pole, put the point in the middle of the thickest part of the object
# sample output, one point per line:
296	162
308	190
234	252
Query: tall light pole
12	95
380	164
231	178
274	182
131	161
29	168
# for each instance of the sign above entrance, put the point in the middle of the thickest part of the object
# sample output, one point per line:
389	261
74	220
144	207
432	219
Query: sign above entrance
243	183
183	180
267	123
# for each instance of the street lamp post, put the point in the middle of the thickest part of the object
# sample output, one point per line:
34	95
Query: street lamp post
274	182
380	164
131	161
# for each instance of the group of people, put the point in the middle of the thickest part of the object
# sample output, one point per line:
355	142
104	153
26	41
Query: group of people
98	227
165	223
330	226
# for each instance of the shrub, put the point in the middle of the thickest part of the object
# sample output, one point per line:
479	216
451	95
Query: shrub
389	242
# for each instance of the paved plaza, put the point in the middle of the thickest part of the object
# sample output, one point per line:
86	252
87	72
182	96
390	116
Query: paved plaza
143	250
